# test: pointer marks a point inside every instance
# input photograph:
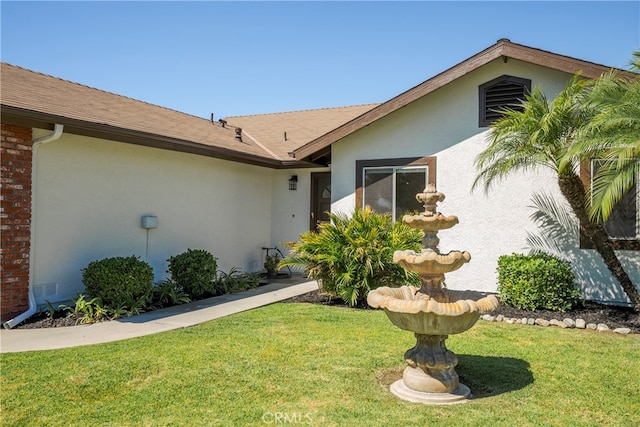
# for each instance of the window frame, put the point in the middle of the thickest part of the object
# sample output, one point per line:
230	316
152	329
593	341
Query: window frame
397	163
617	243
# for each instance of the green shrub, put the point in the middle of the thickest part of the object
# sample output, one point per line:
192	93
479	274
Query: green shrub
537	281
167	293
123	282
195	272
236	281
351	256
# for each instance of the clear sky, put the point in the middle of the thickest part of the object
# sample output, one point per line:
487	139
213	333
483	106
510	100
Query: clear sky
239	58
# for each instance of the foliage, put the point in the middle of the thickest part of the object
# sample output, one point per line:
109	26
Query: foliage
236	281
167	293
352	255
613	136
540	135
271	261
84	311
543	134
194	271
124	282
531	282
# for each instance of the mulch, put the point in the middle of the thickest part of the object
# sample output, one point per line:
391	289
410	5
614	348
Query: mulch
591	312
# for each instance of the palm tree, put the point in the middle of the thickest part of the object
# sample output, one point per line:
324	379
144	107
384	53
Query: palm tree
541	135
613	136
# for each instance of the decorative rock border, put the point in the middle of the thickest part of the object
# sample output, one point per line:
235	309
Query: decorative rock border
566	323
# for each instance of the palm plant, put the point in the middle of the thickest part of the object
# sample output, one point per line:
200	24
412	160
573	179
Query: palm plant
613	136
542	135
352	255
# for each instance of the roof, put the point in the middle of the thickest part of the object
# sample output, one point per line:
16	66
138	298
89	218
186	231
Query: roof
504	48
281	133
37	100
282	140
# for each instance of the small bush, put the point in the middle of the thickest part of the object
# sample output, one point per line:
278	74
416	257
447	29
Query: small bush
352	255
167	293
236	281
538	281
195	272
123	282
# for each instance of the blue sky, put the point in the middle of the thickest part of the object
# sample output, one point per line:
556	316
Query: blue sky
239	58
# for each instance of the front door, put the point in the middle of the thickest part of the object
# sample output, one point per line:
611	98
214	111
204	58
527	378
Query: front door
320	199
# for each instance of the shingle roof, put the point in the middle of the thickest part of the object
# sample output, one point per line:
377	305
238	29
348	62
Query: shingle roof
281	133
40	99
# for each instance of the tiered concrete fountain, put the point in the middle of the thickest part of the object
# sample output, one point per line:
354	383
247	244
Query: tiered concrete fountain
432	312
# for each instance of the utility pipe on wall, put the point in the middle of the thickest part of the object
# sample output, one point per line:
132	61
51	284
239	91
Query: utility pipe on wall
57	133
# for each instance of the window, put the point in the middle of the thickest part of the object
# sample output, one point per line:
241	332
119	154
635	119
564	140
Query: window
391	185
623	225
498	94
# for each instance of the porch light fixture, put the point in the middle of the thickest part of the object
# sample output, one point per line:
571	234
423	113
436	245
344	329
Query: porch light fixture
293	182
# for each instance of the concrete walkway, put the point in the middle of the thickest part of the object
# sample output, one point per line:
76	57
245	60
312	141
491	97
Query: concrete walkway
180	316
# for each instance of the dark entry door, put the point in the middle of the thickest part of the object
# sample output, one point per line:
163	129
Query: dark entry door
320	198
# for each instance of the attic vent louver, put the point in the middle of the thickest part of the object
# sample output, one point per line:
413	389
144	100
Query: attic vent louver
239	134
499	94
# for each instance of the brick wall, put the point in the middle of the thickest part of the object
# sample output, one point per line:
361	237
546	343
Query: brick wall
15	219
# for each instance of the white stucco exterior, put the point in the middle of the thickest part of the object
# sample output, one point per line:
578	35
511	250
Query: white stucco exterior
444	124
92	193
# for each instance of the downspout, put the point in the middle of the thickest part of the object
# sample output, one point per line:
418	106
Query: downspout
33	308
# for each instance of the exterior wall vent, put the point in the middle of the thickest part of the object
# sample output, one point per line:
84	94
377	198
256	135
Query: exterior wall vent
499	94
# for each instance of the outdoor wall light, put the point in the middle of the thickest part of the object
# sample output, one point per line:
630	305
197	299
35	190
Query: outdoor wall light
293	182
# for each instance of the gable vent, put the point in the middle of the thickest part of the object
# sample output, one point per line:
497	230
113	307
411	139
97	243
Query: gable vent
498	94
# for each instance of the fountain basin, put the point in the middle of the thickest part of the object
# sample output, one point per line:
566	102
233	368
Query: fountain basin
430	262
413	311
433	222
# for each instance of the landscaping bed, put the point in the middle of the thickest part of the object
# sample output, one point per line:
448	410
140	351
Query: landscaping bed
591	312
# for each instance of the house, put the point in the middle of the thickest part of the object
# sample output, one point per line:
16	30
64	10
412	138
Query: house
81	168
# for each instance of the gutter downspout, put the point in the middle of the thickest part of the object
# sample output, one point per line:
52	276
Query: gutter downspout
57	133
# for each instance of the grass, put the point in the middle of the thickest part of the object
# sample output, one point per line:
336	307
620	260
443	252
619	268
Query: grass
319	365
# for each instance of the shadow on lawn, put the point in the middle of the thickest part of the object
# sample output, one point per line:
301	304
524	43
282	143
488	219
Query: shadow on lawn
488	376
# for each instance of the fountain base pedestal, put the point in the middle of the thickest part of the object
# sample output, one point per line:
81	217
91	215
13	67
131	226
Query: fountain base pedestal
460	395
430	376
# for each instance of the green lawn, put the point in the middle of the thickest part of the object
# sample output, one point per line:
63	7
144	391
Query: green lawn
328	366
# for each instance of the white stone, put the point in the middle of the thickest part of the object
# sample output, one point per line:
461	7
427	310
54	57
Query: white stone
592	326
524	320
554	322
499	318
602	327
581	324
510	320
569	322
623	331
531	321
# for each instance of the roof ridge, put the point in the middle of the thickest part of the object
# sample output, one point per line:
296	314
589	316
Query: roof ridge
102	90
303	111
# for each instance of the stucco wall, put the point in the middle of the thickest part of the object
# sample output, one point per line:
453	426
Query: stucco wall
445	124
92	193
290	209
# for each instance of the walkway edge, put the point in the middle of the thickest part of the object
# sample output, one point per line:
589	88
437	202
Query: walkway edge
181	316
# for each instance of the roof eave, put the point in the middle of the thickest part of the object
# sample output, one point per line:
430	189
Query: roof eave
503	48
30	118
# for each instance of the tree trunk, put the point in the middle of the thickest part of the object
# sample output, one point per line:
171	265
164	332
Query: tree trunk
573	190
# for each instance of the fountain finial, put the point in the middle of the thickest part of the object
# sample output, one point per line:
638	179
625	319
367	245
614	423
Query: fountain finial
429	199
